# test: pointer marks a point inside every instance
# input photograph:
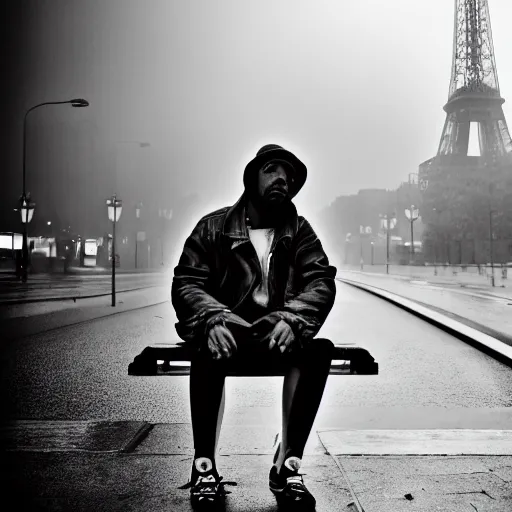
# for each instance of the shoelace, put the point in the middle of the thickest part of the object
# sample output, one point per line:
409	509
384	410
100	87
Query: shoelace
296	483
209	486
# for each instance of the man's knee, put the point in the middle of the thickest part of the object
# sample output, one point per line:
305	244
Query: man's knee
319	349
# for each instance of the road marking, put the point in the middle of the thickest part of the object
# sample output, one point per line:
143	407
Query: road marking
417	442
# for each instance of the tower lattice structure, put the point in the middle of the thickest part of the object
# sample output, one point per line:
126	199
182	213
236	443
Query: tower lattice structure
459	190
474	94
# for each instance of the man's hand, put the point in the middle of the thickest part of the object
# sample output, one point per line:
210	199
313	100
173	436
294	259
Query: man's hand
281	336
221	342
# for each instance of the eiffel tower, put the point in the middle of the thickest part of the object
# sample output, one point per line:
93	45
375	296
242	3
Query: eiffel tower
454	183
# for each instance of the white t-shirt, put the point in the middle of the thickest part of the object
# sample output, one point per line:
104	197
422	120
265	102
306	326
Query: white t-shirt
262	241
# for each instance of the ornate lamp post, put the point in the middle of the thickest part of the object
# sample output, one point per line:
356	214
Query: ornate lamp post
364	231
412	215
78	103
27	211
387	223
115	207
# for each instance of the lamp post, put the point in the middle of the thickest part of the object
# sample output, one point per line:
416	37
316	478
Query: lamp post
492	174
363	231
491	234
412	215
77	103
27	211
164	214
348	241
138	210
387	223
436	242
372	244
115	207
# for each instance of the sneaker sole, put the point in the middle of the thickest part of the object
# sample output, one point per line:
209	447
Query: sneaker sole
282	497
206	503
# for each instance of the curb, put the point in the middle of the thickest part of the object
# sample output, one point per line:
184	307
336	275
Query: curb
11	302
478	339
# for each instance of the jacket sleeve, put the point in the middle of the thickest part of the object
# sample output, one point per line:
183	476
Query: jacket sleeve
307	311
195	307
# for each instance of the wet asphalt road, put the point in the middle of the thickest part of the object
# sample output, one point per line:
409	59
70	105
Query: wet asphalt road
44	287
426	376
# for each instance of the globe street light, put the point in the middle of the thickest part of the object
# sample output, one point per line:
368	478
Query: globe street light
387	223
412	215
115	207
76	102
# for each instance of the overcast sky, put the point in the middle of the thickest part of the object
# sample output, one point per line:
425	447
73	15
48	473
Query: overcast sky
356	89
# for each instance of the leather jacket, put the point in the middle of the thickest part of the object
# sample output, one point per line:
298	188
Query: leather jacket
219	269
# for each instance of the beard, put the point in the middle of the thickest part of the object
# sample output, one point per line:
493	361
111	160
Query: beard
272	209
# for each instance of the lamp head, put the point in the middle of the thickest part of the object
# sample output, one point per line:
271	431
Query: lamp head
79	102
26	209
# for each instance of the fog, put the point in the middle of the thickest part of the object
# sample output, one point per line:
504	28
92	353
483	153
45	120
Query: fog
355	89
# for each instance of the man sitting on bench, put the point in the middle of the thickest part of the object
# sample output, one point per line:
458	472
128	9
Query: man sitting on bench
254	282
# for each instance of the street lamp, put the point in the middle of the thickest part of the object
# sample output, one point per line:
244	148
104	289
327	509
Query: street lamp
27	211
387	223
363	231
164	214
77	103
412	215
115	207
138	234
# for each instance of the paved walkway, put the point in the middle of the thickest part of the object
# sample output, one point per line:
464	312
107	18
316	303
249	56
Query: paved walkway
470	277
131	465
137	466
486	307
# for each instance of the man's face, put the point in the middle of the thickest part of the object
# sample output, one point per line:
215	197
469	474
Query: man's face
274	180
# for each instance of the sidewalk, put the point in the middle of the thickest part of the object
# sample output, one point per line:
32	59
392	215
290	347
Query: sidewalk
136	466
485	308
452	277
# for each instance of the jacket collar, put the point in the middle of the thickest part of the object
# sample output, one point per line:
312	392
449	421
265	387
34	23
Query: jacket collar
235	226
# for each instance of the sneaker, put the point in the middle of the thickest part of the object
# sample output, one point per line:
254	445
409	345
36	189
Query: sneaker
206	486
288	484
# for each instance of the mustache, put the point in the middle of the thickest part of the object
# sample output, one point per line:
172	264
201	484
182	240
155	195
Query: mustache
278	186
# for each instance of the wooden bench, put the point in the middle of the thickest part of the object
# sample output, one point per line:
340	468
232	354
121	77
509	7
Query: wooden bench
168	359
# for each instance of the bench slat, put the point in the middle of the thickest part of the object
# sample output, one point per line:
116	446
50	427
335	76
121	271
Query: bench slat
166	359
